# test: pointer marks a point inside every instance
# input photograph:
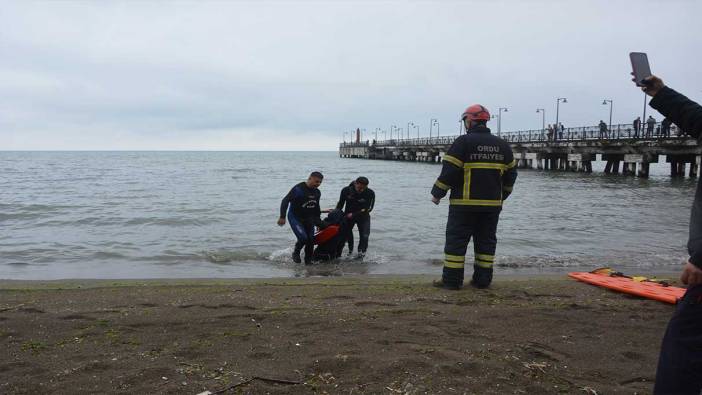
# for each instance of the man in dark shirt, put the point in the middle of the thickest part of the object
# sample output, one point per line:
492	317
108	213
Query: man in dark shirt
665	127
680	362
603	129
637	126
359	201
303	214
650	124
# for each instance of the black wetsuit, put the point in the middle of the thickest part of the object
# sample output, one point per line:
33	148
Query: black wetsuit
680	361
359	205
303	215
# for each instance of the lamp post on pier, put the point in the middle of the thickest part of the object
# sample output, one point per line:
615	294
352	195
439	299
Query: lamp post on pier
408	128
376	133
499	119
436	122
392	128
611	104
557	125
543	119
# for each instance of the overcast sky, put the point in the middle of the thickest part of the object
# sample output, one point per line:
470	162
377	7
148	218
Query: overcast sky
295	75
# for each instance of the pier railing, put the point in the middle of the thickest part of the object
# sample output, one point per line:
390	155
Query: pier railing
585	133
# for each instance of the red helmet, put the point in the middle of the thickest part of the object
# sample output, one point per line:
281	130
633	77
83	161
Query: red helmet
476	112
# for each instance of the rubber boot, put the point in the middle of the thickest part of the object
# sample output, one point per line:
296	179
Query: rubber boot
482	277
296	255
443	285
451	278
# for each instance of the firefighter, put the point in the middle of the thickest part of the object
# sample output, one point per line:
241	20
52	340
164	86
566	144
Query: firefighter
480	171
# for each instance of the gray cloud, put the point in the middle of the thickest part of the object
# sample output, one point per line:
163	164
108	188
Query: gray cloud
295	75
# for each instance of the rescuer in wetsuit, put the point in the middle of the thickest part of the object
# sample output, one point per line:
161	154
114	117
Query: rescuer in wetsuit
480	171
303	214
359	201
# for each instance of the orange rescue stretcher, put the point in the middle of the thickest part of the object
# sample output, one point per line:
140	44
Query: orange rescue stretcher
650	288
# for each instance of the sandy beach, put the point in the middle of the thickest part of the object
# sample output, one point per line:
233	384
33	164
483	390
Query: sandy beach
370	334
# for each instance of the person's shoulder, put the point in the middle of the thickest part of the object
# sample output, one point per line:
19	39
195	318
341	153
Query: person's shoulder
460	139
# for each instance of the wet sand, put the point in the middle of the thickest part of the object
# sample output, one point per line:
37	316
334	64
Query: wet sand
369	334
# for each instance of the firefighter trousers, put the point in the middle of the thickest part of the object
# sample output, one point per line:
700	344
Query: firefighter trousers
462	225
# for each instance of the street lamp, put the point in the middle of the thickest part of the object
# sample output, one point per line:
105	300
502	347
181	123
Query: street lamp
392	127
434	121
543	118
360	137
499	119
376	133
408	128
385	135
558	102
611	104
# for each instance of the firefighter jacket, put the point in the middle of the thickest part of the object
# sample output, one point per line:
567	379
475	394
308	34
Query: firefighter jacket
479	169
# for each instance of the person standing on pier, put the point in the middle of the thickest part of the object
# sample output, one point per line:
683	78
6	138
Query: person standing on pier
637	126
680	360
603	130
359	201
480	171
303	214
665	127
650	124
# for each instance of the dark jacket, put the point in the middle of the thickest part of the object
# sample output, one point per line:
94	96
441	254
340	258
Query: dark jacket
303	202
356	203
480	171
332	248
688	116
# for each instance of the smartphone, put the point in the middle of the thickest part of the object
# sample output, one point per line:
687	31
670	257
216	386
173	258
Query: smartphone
640	66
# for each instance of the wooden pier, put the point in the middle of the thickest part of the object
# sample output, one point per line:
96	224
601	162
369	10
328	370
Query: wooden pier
624	150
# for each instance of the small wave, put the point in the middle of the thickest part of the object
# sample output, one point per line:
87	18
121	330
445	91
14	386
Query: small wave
284	256
165	221
44	207
170	257
96	221
108	255
234	256
20	216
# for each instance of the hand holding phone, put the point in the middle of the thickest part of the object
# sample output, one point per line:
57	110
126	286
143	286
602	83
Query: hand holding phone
641	68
